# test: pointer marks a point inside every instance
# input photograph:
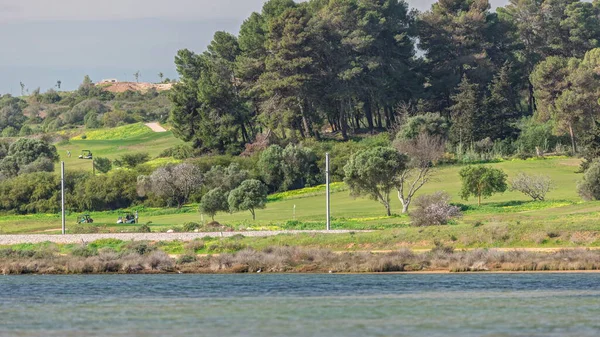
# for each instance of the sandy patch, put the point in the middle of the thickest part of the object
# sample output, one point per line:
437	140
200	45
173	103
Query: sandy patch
156	127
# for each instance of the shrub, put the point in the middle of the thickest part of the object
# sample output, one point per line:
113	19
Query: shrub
181	152
194	246
42	164
102	164
431	123
159	260
84	229
9	131
434	210
77	114
172	184
186	259
144	229
535	136
589	187
140	248
227	178
131	160
91	120
84	251
534	186
191	226
24	152
106	192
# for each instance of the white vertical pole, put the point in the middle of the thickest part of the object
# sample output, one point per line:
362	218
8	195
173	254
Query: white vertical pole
328	191
62	201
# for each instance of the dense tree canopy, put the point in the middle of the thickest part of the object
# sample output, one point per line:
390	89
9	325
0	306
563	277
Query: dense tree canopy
302	70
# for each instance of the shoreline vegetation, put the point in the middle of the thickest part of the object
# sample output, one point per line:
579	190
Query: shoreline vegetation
139	257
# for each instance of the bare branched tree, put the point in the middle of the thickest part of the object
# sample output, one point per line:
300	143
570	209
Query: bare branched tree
423	152
534	186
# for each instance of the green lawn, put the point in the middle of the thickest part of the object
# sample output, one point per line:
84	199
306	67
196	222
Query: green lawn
507	220
128	139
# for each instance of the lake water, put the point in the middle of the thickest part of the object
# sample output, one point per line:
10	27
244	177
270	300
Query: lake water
301	305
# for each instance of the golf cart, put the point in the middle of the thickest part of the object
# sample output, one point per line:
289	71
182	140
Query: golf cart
86	218
86	154
129	218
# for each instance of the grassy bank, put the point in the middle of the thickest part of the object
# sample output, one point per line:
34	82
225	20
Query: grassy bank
141	257
505	220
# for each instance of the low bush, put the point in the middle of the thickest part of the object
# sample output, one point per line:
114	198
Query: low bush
434	210
191	226
186	259
589	187
534	186
44	260
139	248
181	152
144	229
131	160
193	247
84	251
84	229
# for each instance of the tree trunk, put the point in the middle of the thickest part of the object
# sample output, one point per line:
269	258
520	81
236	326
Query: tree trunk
253	214
343	122
245	137
283	135
387	114
572	138
305	121
405	207
369	114
331	125
479	200
388	209
531	102
307	128
405	202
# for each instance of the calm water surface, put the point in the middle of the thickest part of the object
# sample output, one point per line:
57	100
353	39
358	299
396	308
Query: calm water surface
301	305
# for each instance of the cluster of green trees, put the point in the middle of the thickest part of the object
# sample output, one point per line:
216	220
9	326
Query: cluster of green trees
26	156
301	69
12	118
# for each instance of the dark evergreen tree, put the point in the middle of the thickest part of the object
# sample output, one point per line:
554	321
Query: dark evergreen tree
501	108
464	113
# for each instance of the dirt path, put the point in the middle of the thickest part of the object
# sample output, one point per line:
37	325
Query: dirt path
156	127
78	238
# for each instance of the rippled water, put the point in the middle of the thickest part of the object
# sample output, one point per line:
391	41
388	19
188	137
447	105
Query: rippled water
301	305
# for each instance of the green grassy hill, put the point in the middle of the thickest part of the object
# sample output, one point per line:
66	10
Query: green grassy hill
112	143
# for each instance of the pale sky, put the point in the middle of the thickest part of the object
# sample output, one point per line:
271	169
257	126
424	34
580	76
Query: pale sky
49	40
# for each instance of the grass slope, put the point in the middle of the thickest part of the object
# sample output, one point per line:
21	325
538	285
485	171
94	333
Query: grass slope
113	143
505	220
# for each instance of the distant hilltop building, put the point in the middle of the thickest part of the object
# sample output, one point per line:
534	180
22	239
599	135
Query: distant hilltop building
109	80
